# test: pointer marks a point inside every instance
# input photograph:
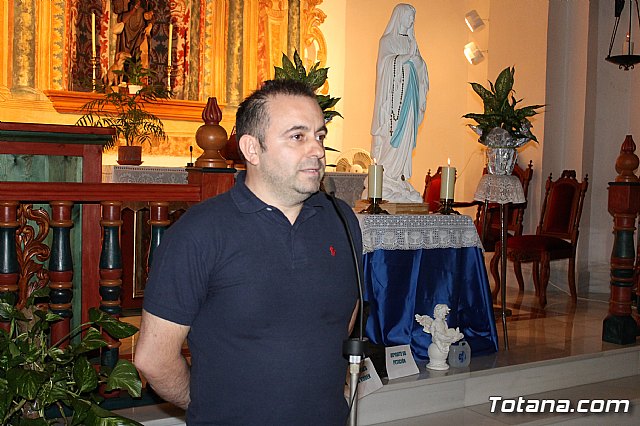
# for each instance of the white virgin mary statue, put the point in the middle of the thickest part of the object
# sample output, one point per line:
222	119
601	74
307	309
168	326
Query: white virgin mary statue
402	83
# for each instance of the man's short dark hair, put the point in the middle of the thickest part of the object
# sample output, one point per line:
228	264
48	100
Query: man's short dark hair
252	117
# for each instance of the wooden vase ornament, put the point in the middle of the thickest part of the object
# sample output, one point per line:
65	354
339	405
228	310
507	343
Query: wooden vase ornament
211	137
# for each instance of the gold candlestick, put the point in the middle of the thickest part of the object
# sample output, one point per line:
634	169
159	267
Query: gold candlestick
169	67
94	67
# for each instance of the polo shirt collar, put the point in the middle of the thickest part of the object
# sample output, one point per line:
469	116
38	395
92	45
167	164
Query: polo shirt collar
247	201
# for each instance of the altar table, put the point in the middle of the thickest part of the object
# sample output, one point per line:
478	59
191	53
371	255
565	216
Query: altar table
414	262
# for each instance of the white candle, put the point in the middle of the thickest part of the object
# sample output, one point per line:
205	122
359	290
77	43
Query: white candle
448	181
627	48
93	35
170	40
375	181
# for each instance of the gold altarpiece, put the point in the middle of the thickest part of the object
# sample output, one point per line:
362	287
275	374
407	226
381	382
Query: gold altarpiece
236	44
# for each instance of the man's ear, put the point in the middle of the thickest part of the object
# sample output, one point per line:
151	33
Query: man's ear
250	147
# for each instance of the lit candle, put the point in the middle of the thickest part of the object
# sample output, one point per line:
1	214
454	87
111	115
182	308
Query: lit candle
448	181
170	40
375	181
93	35
627	48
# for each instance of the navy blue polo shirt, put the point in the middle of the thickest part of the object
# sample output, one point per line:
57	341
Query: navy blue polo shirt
268	304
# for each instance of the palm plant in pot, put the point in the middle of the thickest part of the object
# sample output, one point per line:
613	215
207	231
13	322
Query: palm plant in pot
502	127
128	115
42	381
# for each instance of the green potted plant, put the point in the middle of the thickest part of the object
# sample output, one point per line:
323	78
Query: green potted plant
39	379
502	127
136	75
315	78
127	114
500	112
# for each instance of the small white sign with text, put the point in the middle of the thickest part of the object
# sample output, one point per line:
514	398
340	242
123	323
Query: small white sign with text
368	381
399	361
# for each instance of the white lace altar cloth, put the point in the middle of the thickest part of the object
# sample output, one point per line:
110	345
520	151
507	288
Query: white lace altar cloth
416	231
142	174
501	189
347	186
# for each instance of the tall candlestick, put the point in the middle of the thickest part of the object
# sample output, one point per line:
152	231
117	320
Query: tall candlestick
447	184
170	41
375	181
93	34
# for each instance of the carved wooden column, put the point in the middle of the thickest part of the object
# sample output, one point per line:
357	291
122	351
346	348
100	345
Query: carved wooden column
159	221
234	52
61	268
24	47
110	273
624	205
293	28
8	258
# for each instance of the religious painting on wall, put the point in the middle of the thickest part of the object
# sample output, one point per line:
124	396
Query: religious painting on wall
223	48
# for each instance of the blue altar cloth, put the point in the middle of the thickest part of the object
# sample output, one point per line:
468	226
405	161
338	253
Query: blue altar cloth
402	283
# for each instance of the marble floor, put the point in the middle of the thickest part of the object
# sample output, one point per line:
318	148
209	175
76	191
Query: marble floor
561	330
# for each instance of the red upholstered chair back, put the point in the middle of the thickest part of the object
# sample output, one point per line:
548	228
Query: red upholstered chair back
562	207
431	194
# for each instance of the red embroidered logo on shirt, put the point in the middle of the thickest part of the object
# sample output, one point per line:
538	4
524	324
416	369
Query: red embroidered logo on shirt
332	251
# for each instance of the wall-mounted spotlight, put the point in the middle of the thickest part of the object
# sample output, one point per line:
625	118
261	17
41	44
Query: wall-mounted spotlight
474	21
472	53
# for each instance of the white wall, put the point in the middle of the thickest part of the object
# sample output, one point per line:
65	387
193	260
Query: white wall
558	49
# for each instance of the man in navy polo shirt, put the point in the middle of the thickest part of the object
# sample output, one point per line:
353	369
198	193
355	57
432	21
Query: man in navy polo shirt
260	280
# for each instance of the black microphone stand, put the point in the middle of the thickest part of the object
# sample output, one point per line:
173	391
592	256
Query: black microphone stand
353	349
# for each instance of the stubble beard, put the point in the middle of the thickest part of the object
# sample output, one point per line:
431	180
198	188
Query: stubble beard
297	187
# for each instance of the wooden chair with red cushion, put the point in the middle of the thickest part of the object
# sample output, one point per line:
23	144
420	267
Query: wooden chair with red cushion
556	236
431	193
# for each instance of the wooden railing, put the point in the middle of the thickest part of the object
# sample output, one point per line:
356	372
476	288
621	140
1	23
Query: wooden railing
24	255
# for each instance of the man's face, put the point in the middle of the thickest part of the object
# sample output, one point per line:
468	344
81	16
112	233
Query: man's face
292	164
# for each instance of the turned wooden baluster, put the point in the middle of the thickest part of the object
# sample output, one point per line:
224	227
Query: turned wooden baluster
111	273
61	268
8	259
624	205
159	221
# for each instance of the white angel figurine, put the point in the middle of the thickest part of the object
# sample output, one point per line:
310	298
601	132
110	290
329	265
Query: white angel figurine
441	336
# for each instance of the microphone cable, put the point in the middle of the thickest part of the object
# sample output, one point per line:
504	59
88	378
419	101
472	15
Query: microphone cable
353	349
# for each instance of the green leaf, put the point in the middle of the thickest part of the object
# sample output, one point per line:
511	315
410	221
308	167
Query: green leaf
317	79
80	411
98	416
91	340
41	292
504	83
301	71
61	356
125	376
112	325
25	383
288	68
58	392
6	397
482	92
6	311
84	375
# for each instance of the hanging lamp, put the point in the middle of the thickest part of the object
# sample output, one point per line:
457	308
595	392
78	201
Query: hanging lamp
627	59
